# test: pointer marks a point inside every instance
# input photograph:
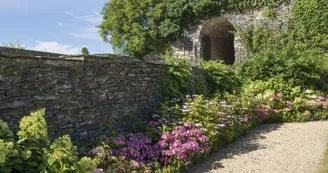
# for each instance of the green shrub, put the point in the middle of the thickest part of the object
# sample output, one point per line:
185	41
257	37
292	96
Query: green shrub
298	68
33	152
62	155
5	133
219	77
259	88
180	80
34	126
222	119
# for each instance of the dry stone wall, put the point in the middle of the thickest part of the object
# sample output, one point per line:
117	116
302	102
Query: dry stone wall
81	95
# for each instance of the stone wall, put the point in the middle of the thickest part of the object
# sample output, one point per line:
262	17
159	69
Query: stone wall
82	95
238	20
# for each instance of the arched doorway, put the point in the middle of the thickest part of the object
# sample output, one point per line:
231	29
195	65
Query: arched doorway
217	40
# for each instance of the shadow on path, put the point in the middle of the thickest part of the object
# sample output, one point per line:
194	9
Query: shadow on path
242	145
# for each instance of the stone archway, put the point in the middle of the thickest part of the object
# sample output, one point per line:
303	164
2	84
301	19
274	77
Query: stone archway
217	40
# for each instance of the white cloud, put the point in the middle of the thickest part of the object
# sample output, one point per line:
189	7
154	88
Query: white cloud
55	47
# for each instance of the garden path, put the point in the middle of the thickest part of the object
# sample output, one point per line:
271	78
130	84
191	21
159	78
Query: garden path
272	148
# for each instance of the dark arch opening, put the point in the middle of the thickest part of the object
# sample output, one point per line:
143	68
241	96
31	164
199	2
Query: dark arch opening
217	40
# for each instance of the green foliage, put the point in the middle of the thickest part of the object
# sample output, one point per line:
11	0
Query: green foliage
62	155
180	80
5	133
6	150
312	15
33	126
255	37
32	152
85	165
85	51
269	12
139	27
174	167
296	55
129	26
219	77
287	64
308	106
211	114
266	89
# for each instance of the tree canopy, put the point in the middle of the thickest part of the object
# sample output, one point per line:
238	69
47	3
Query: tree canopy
137	27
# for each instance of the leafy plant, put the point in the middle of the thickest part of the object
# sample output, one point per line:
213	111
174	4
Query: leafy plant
33	152
85	51
219	77
180	80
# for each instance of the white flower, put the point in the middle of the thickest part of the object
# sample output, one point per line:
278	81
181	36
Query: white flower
221	125
313	97
185	107
308	91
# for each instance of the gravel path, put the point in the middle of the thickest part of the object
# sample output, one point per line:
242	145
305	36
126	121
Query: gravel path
272	148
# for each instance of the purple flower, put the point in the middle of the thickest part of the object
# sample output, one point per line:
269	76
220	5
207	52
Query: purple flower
107	140
154	124
119	140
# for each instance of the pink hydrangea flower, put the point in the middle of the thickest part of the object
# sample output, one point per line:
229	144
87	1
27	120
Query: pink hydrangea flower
280	95
276	110
288	109
134	163
289	102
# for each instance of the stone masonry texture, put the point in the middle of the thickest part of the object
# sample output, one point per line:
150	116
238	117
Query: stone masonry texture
81	95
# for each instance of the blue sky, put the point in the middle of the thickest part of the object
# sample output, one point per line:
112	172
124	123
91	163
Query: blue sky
62	26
